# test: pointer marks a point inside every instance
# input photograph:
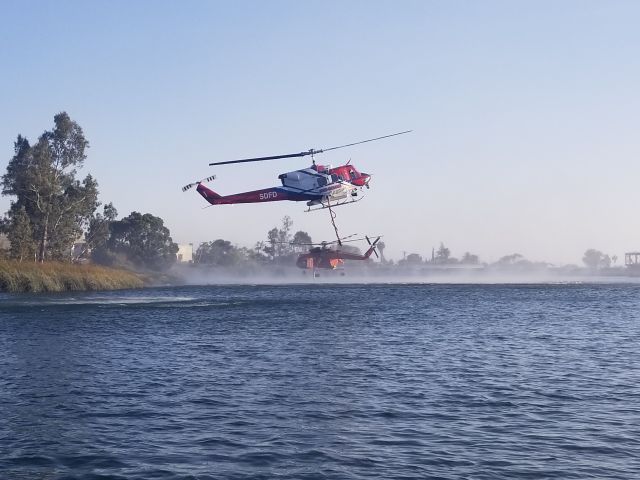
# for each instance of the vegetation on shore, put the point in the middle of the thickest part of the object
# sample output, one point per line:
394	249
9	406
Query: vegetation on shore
54	234
63	277
57	238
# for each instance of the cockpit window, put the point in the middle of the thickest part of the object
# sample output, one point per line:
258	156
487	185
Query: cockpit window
322	181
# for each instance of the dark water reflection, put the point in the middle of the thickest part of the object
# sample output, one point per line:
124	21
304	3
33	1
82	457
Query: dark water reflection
350	381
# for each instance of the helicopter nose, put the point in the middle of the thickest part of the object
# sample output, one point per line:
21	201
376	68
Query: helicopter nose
366	178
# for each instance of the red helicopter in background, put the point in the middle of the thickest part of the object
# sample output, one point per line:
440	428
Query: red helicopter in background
319	185
324	255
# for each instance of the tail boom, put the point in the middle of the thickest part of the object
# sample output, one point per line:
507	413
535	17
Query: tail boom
274	194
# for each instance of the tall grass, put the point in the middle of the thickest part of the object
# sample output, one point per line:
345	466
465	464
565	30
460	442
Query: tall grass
63	277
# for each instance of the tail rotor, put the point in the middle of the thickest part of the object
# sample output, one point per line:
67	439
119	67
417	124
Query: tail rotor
191	185
372	246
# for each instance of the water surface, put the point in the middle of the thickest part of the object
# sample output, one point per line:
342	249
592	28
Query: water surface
322	381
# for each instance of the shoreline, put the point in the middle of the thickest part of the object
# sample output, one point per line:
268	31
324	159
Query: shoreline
51	277
57	277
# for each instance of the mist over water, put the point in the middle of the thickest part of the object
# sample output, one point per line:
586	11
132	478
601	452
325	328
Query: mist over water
322	381
359	275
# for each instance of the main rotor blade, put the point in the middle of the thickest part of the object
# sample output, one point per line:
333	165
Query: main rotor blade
304	154
354	240
335	241
357	239
273	157
308	244
321	243
364	141
348	236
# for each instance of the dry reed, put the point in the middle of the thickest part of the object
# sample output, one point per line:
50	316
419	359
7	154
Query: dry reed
63	277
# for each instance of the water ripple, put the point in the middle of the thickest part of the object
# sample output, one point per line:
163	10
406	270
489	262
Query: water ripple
322	382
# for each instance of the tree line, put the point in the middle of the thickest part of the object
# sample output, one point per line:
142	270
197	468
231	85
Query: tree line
52	209
281	247
55	215
592	259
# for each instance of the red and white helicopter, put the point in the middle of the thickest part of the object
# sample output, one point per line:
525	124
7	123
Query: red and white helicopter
319	185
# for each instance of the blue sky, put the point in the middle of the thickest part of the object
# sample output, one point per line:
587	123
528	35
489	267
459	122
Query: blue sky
525	114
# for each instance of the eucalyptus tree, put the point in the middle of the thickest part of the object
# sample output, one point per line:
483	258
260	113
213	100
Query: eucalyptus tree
221	253
442	254
20	235
43	179
98	231
143	240
301	241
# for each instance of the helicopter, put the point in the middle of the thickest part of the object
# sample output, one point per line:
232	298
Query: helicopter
323	256
321	186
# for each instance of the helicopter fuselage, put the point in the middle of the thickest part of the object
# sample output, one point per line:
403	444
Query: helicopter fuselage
318	184
322	257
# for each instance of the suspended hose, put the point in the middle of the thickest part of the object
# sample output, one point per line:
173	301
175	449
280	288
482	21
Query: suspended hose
332	215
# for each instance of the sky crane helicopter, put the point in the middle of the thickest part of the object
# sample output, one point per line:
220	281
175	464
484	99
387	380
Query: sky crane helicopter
321	186
328	256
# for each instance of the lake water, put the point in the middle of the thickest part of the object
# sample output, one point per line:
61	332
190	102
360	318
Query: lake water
322	381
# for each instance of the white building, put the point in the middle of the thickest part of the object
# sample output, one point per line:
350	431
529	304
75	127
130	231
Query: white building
185	253
4	242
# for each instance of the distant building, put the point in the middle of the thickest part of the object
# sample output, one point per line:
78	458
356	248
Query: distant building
632	260
185	253
4	242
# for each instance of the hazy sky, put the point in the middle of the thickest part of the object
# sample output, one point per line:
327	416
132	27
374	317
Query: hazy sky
526	115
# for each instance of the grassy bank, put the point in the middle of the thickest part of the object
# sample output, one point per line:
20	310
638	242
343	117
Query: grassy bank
63	277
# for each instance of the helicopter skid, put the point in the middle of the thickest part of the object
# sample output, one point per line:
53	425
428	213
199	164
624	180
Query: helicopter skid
325	205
